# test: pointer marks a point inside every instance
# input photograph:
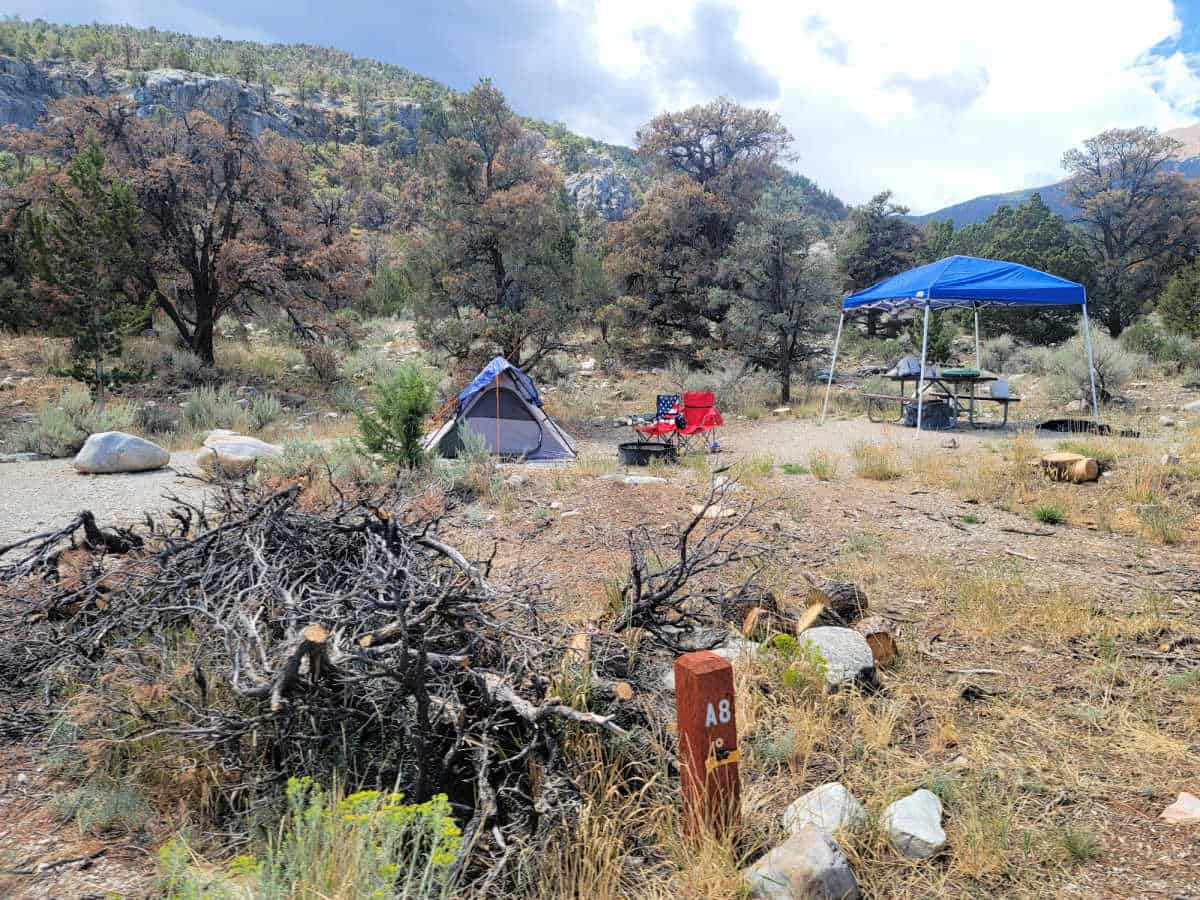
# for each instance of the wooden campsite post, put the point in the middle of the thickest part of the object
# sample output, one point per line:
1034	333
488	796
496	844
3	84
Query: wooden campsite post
708	751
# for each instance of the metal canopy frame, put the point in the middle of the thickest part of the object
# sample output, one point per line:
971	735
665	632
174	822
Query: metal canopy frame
928	305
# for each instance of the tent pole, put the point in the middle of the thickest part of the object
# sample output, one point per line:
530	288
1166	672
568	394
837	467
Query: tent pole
829	384
921	377
978	358
1087	341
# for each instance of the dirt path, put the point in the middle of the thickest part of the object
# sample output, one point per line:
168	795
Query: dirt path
38	496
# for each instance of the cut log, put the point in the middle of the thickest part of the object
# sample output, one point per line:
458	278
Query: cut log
844	603
1070	467
881	638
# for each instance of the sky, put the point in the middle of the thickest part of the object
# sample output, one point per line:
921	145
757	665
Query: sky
936	100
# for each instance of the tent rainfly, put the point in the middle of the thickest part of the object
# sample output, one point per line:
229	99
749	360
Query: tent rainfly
964	282
503	405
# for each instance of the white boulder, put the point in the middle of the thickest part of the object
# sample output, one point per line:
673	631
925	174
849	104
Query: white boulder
914	825
809	865
116	451
231	453
847	654
829	807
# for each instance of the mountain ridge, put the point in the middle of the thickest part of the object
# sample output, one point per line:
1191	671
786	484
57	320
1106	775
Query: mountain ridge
977	209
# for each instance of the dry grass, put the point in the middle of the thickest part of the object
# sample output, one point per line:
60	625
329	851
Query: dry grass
876	462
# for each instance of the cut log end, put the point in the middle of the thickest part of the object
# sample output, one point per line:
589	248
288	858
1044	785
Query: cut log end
315	634
881	638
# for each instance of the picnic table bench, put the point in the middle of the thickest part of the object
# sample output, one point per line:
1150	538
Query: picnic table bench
944	386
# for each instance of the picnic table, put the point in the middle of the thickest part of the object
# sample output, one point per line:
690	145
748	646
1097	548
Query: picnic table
956	386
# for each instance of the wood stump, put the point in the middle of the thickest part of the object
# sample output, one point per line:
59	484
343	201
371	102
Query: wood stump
1070	467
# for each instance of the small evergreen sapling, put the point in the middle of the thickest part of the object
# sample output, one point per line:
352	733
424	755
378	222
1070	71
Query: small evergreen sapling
393	427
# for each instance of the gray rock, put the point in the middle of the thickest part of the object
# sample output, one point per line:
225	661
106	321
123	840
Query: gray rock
828	807
1194	406
1166	421
738	648
602	189
914	825
809	865
116	451
232	453
846	653
633	479
1170	458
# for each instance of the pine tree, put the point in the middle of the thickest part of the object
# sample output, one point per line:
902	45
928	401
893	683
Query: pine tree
83	242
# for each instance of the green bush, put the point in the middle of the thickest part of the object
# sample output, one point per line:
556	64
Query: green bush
343	461
187	366
367	364
1049	514
263	410
61	428
154	419
798	665
1068	369
998	352
98	808
362	847
1143	337
394	426
344	398
387	295
209	407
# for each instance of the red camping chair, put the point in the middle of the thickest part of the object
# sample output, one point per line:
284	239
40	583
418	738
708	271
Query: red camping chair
680	428
700	421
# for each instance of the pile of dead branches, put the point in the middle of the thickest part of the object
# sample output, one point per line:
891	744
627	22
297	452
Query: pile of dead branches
268	640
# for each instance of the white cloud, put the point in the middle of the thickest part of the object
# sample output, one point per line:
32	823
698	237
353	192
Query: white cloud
937	99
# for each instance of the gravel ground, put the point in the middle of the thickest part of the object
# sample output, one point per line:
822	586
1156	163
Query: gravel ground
38	496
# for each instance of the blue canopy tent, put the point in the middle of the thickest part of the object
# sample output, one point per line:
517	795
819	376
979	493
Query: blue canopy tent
964	282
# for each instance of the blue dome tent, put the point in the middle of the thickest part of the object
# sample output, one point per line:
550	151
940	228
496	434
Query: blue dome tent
964	282
503	406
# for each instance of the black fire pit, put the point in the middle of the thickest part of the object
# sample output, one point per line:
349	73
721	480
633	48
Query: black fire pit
640	453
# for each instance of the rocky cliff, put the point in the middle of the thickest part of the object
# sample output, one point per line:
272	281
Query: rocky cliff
603	189
26	89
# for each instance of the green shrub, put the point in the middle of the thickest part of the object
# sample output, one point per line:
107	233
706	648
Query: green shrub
153	419
1049	514
263	410
99	808
798	666
61	428
393	428
794	469
361	847
367	364
343	461
208	407
187	366
387	295
1143	337
344	398
1068	369
998	352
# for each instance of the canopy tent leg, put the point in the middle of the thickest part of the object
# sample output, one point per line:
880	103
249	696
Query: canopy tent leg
833	362
1087	341
978	357
921	377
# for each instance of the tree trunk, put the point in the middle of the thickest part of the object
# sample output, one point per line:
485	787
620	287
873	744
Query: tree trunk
202	334
785	382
